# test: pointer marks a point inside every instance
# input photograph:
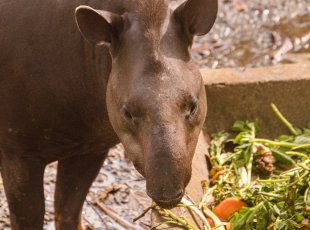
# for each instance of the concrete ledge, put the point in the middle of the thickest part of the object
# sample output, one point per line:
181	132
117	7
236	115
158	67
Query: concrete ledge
246	94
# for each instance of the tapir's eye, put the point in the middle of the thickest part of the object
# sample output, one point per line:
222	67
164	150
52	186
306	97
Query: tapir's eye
127	113
192	109
130	116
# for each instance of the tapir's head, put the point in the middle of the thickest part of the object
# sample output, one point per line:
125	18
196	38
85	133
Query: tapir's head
155	98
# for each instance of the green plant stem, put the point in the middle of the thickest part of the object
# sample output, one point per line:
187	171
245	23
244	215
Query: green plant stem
271	195
307	196
284	120
293	153
272	181
192	207
249	168
303	146
205	196
275	143
169	222
304	166
180	220
217	222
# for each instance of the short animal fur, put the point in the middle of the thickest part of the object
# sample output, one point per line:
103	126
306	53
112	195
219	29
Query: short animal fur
69	98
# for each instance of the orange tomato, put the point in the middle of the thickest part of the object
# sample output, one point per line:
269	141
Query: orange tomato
228	207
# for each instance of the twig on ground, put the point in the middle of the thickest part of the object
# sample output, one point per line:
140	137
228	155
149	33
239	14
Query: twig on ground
144	212
89	225
95	210
116	218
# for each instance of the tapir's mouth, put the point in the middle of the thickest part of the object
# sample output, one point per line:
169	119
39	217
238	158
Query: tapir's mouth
169	203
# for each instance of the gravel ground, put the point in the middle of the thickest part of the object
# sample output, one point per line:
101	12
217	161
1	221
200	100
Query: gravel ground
255	33
246	34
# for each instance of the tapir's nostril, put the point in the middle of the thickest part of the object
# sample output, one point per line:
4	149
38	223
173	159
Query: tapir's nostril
169	196
179	194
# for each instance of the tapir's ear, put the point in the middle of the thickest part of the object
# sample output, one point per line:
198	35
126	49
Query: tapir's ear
97	26
198	16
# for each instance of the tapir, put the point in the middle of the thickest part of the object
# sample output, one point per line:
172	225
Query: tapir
78	77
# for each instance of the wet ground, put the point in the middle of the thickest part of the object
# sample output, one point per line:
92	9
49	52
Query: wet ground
246	34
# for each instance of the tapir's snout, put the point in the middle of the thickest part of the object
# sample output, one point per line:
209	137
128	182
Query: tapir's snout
168	163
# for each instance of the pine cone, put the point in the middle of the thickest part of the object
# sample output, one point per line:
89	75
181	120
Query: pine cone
264	160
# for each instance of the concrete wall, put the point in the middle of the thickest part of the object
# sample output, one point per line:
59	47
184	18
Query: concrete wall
246	94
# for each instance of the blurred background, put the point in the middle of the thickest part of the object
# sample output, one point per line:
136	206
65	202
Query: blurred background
252	33
247	33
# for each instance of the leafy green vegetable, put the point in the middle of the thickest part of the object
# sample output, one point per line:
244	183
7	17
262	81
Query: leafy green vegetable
244	220
271	176
278	200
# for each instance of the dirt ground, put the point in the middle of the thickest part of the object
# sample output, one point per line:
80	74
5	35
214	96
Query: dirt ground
246	34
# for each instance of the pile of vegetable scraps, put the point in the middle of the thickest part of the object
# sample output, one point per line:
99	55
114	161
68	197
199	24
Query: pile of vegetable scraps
254	183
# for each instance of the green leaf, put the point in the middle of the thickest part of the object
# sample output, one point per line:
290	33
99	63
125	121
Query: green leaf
246	217
280	224
282	157
286	138
245	126
239	220
238	126
302	139
262	222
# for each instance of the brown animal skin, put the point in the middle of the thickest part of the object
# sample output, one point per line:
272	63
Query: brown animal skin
69	100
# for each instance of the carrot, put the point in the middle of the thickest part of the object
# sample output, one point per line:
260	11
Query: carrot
228	207
211	222
227	226
216	176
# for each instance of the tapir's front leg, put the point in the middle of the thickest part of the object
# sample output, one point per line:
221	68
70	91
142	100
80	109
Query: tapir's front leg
23	184
74	178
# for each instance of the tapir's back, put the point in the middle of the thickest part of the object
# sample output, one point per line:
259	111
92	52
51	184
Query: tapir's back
52	86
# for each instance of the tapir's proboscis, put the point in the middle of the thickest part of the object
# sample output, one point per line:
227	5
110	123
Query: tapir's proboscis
78	77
